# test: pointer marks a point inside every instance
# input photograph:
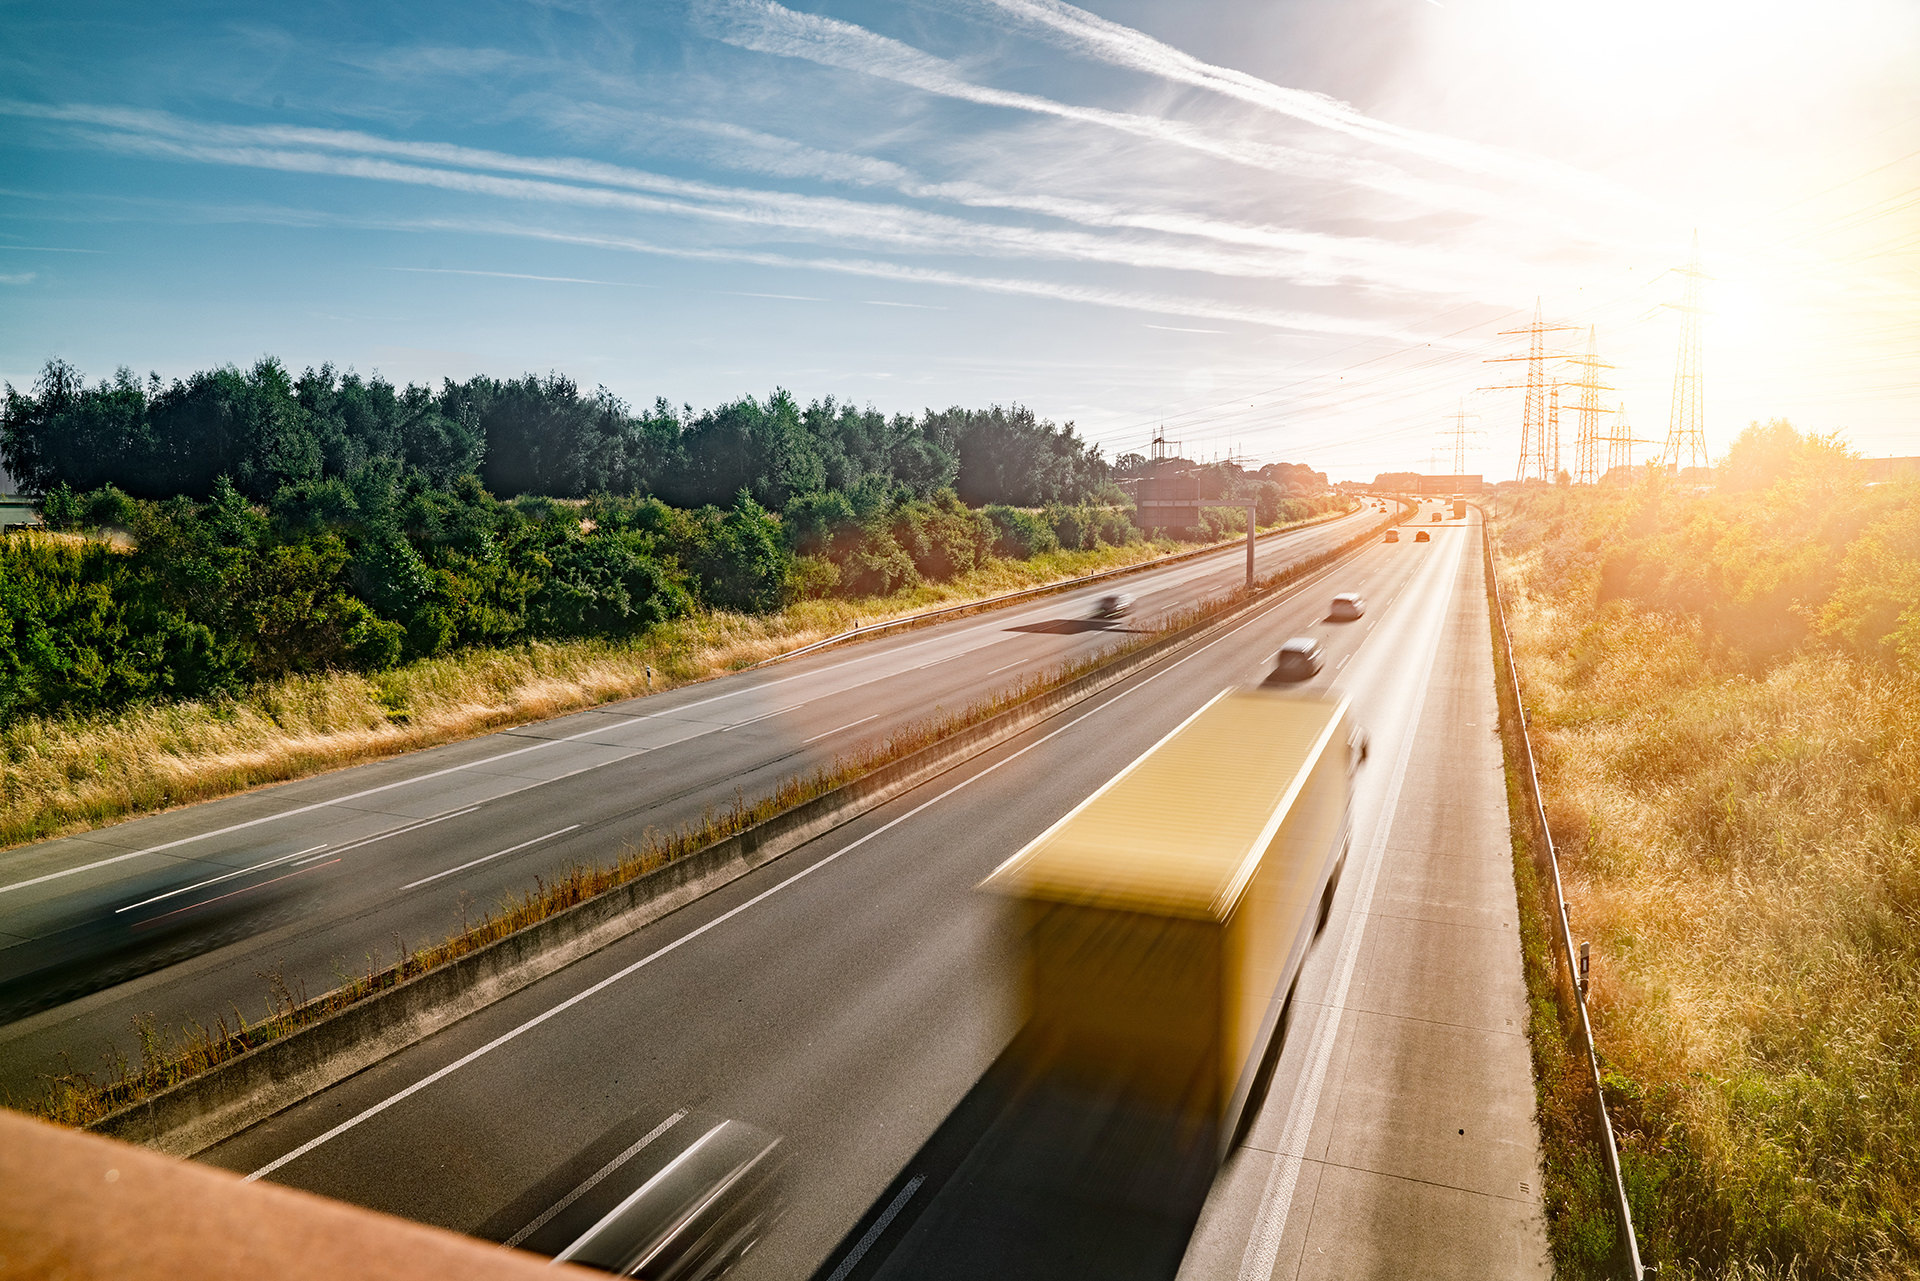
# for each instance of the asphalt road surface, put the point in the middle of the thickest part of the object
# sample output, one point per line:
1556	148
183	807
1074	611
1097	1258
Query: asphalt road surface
189	915
850	994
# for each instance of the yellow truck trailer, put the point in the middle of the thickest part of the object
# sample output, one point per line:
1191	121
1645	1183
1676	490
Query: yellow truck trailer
1167	917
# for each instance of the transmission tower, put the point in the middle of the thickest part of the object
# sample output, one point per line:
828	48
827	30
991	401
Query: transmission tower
1686	426
1536	449
1553	430
1460	431
1586	461
1620	442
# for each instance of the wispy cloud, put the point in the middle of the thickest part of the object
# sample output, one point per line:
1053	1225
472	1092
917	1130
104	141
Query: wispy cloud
1092	36
522	275
766	27
1182	242
24	278
1166	304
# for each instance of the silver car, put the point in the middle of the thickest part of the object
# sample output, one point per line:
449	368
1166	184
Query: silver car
1297	660
1347	606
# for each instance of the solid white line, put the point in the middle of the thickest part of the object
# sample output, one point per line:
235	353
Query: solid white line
1270	1222
593	1180
830	733
200	885
489	858
1016	663
553	1011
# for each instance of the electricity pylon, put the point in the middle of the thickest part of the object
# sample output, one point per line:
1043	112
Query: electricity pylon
1620	442
1460	432
1536	449
1686	426
1586	462
1553	430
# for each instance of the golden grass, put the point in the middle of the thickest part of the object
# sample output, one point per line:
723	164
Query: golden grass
1744	854
72	773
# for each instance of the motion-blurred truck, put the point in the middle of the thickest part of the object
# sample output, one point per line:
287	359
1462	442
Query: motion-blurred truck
1167	916
1459	509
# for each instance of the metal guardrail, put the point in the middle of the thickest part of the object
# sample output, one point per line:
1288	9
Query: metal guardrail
1627	1248
1025	593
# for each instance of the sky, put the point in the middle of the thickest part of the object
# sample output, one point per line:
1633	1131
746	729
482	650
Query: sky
1286	231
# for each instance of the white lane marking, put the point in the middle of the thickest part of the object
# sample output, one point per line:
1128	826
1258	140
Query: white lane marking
201	885
611	1215
1017	662
519	751
490	857
402	831
593	1181
1270	1221
316	858
755	720
553	1011
880	1225
849	725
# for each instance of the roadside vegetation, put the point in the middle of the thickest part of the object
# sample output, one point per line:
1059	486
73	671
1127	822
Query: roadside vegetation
249	576
1724	688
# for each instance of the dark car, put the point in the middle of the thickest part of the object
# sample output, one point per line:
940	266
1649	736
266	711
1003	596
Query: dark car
1423	537
1393	536
1347	606
1113	605
682	1204
1298	659
1439	515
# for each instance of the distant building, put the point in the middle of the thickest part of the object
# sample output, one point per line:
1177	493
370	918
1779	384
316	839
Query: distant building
1450	485
1881	470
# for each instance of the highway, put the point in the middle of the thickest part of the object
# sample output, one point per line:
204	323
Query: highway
186	915
850	994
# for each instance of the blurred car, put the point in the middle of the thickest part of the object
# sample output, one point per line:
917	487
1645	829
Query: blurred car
1423	537
1347	605
1393	536
1113	605
1439	515
1298	659
687	1207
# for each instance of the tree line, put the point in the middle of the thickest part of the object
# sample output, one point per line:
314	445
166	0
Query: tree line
266	524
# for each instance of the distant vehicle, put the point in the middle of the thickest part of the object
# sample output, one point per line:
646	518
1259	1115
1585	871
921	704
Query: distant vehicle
687	1205
1459	509
1298	659
1347	605
1393	536
1438	516
1423	537
1113	605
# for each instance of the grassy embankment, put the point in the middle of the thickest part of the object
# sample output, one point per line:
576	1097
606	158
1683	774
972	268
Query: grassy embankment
1729	732
72	773
169	1055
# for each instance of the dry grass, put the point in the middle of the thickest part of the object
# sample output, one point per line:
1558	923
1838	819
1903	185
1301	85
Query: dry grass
168	1057
1744	853
72	773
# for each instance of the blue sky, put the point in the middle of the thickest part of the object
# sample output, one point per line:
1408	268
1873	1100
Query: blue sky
1287	231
